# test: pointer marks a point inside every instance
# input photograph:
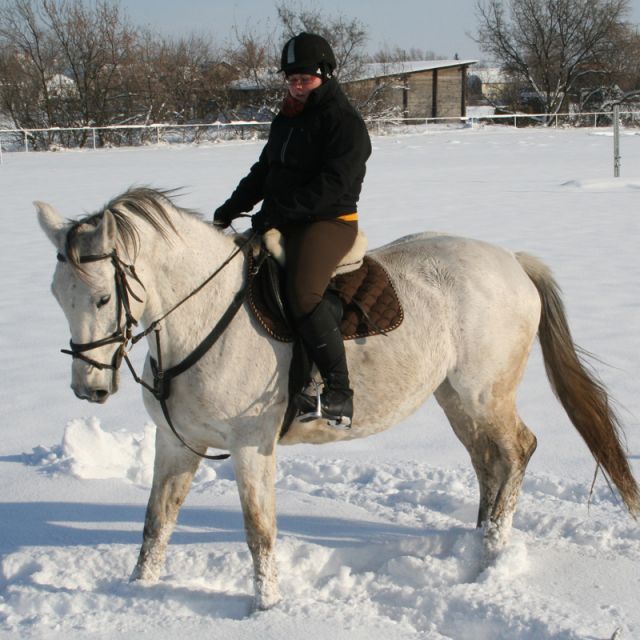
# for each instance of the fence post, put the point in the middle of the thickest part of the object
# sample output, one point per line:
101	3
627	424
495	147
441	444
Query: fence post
616	140
26	143
1	160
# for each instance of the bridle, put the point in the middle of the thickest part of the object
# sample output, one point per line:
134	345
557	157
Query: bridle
123	335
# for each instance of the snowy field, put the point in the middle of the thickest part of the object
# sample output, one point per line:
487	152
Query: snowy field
376	537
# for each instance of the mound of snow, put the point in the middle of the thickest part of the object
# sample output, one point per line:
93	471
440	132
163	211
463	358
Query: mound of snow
89	452
606	185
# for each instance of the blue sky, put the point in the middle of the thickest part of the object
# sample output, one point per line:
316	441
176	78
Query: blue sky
433	25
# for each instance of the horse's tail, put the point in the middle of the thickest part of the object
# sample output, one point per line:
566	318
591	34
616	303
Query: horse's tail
583	396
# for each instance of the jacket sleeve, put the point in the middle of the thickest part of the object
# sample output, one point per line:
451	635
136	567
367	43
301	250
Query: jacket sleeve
341	172
250	189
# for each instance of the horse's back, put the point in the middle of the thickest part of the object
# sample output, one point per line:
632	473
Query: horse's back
464	270
474	292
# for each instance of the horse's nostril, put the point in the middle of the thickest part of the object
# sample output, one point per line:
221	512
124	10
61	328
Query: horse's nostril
101	395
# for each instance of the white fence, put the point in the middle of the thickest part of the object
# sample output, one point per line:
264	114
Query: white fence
136	135
126	135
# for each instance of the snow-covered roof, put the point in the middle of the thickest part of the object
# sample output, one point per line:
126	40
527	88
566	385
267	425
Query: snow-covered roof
61	85
385	69
266	78
369	71
60	80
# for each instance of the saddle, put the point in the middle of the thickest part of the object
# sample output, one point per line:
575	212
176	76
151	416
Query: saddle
369	301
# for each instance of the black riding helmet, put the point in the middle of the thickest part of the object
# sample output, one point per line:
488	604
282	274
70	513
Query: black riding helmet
308	53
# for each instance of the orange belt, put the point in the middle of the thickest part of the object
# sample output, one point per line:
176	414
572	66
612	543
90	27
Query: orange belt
349	217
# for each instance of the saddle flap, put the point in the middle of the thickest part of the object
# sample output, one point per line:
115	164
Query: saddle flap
370	303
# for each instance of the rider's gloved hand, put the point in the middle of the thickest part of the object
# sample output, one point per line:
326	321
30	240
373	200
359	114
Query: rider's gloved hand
263	221
224	215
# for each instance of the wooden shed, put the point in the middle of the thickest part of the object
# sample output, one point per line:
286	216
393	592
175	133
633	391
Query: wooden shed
419	89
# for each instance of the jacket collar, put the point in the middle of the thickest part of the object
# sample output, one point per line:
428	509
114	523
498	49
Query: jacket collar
325	92
316	100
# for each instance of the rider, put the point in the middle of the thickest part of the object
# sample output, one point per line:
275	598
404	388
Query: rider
309	177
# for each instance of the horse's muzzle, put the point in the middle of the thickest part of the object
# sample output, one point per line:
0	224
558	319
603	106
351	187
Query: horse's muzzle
92	395
93	385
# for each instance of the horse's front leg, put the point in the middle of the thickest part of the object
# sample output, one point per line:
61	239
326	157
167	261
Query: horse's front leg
173	472
255	470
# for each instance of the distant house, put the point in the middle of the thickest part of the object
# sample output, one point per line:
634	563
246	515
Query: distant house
62	86
491	82
418	89
256	97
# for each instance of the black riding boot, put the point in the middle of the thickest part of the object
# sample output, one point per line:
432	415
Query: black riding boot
321	334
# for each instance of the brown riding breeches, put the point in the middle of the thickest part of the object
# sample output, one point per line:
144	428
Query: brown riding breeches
313	252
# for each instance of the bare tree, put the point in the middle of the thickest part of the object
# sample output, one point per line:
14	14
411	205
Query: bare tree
398	54
254	55
258	89
75	63
27	64
183	69
621	82
61	63
94	44
551	45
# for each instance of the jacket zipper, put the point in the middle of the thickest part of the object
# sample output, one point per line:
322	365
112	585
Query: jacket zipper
284	146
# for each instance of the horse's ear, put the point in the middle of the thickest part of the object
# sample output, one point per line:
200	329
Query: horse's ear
52	224
107	230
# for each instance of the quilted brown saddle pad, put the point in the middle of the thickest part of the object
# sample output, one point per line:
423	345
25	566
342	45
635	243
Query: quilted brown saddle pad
369	299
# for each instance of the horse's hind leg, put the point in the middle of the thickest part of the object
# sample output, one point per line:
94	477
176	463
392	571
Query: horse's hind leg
500	446
173	472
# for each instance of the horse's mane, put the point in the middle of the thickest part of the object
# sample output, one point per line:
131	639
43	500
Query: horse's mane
153	206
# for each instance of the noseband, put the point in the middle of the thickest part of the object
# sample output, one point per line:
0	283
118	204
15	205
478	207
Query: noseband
122	334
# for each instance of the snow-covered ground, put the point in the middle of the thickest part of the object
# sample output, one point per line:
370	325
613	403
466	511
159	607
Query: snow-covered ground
376	537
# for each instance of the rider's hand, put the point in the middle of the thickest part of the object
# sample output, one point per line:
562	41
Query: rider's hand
224	216
263	221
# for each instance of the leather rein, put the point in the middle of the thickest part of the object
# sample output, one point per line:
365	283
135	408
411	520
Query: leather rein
123	335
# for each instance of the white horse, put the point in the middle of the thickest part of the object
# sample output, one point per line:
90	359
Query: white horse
471	314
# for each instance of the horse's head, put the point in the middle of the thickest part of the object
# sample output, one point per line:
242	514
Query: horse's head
90	284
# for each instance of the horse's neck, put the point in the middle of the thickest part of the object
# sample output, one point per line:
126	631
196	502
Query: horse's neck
171	270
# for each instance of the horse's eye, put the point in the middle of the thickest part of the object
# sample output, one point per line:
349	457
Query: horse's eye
104	300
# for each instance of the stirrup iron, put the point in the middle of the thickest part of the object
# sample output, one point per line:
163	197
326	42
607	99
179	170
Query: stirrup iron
342	422
317	413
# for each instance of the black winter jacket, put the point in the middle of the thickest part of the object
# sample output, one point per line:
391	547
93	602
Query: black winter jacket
313	164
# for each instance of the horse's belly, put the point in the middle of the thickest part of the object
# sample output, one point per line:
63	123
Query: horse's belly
392	376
